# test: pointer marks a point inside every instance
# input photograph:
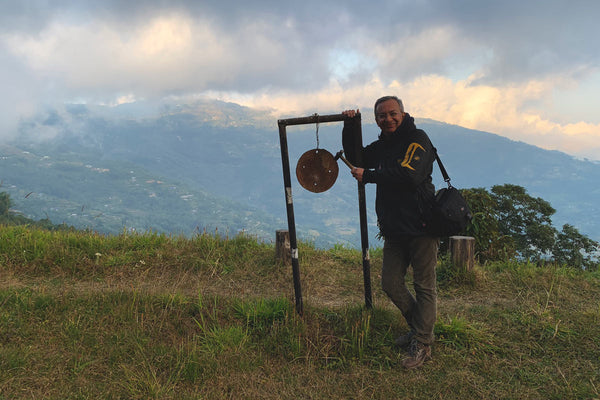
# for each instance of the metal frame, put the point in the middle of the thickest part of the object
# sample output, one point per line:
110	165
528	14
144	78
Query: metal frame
287	182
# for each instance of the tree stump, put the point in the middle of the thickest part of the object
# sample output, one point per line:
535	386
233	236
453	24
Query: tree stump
283	250
462	252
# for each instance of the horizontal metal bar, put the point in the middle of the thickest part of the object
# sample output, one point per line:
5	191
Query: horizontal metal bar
313	119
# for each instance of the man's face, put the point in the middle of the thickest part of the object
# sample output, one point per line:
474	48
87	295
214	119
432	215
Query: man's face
388	116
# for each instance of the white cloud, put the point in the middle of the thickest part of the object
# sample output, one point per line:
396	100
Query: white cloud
483	65
172	53
491	109
410	54
99	57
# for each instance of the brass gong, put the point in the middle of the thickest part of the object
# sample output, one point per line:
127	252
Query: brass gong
317	170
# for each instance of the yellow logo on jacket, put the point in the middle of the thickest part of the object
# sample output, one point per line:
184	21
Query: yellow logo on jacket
409	157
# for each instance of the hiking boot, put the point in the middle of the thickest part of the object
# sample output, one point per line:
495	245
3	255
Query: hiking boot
405	340
417	355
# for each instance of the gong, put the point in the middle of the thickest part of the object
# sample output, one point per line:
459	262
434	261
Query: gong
317	170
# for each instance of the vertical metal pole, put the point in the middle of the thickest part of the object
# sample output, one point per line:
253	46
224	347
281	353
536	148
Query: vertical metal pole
287	183
362	210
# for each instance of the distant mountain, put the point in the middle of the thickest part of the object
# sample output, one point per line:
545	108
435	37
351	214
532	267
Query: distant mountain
480	159
184	168
84	191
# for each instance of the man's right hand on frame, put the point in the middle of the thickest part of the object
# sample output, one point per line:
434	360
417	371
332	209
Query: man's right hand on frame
350	113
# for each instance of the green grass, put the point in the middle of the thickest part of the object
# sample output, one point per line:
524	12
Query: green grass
87	316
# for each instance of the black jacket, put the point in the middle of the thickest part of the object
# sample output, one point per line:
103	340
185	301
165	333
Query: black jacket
401	165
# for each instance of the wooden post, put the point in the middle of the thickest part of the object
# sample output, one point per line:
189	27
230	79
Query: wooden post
283	250
462	252
362	211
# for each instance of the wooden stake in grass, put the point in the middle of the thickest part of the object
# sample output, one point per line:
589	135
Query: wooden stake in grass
283	250
462	251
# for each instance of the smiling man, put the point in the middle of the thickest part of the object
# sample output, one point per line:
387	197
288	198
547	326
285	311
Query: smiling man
400	163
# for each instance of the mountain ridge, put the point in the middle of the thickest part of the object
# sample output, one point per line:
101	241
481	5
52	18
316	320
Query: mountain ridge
229	156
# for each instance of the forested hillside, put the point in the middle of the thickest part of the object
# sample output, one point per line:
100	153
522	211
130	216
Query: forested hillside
216	165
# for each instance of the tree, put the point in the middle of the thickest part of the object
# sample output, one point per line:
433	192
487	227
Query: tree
508	222
5	204
526	219
576	250
490	244
7	217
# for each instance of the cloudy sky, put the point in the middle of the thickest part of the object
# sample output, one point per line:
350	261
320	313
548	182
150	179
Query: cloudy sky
525	69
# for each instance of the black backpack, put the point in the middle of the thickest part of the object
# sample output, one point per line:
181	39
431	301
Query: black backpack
450	214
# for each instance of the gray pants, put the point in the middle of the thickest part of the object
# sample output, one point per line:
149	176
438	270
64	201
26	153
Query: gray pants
421	253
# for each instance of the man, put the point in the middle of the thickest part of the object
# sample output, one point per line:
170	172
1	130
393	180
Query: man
400	163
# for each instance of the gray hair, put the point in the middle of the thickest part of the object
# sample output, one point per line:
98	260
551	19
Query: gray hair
386	98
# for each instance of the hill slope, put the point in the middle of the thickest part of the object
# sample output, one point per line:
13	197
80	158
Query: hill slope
84	191
150	316
227	157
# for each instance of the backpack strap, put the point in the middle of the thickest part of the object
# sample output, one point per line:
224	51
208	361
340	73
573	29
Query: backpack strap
442	169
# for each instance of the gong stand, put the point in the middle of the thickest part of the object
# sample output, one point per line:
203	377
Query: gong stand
362	207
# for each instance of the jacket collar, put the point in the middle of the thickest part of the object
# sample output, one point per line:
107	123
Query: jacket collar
408	124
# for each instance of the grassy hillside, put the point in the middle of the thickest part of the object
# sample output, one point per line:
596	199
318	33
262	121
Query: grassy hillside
86	316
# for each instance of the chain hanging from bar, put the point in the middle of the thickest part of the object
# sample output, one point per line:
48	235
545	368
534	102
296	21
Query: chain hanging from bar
317	132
